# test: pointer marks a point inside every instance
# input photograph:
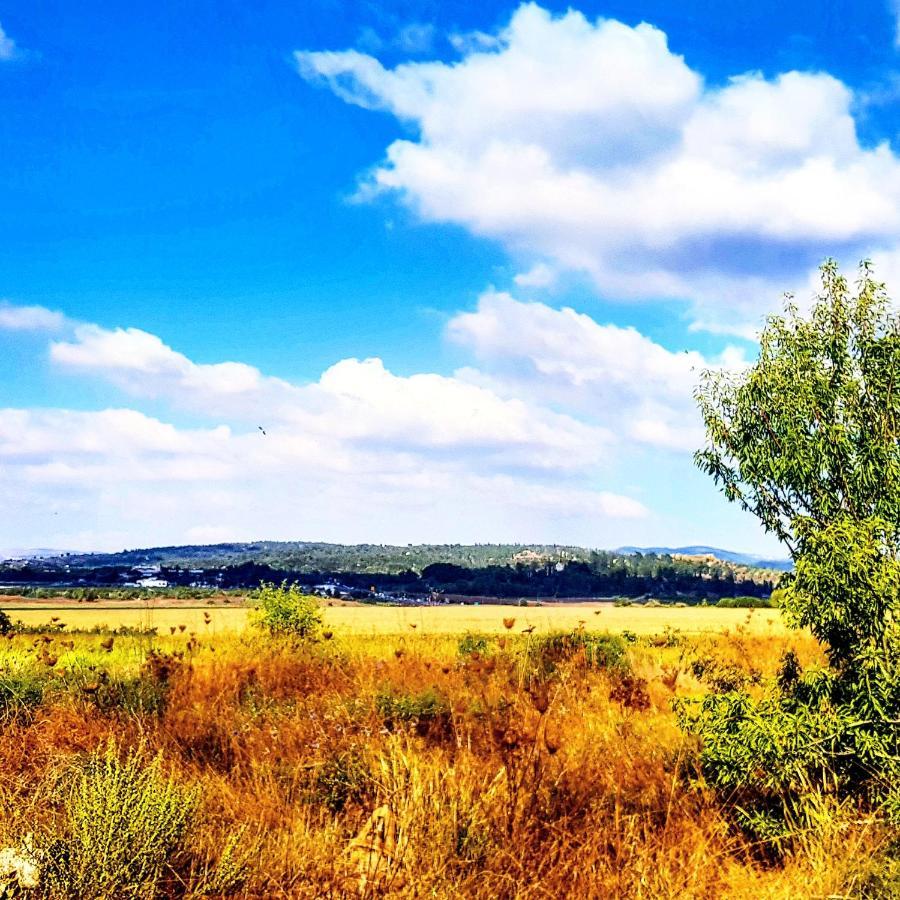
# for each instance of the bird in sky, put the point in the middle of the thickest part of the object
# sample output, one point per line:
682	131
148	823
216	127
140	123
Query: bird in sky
263	430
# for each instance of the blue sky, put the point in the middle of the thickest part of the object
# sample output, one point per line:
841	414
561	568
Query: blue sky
525	214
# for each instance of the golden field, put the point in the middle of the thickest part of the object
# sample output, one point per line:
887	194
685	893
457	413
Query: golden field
447	620
386	760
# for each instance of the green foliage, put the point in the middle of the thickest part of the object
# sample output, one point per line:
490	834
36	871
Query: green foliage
343	778
6	625
545	652
471	643
125	823
20	693
807	440
809	433
428	712
285	610
745	603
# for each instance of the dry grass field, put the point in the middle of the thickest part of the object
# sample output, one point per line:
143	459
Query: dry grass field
447	620
386	760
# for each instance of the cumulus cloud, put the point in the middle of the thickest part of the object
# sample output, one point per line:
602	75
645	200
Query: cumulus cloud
29	318
529	442
123	478
354	401
638	389
591	145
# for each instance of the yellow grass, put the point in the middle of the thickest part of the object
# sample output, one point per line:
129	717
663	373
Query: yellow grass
366	620
515	781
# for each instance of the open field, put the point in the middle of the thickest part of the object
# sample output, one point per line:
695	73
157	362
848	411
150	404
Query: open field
363	620
385	761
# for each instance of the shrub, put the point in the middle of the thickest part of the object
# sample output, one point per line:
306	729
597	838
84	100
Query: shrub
125	823
472	643
630	691
722	677
342	778
6	625
286	610
746	603
427	712
599	651
19	694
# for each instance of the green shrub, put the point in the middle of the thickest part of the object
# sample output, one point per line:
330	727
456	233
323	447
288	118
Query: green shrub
745	603
427	712
723	677
545	652
472	643
20	693
6	625
286	610
123	831
343	778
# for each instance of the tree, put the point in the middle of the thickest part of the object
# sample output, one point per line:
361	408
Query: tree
286	611
807	440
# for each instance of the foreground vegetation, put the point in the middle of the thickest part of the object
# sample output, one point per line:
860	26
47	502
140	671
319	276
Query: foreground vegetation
510	764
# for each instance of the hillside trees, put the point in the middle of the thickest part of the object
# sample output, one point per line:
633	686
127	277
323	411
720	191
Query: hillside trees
807	440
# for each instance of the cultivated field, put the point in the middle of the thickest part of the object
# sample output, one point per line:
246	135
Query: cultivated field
447	620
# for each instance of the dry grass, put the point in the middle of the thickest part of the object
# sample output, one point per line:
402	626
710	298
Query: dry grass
448	620
377	764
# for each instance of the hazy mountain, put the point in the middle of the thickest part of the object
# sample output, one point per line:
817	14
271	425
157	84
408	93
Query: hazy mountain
741	559
29	553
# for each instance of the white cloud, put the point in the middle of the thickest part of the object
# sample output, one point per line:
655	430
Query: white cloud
545	437
470	41
591	146
556	433
7	46
29	318
540	275
601	373
121	477
354	402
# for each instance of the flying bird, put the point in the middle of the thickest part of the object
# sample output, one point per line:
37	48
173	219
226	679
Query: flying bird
263	430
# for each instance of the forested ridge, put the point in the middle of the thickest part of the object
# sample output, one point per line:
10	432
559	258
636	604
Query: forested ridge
493	570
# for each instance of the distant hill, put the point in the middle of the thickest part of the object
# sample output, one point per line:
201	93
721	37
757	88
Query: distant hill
30	553
697	550
546	571
311	556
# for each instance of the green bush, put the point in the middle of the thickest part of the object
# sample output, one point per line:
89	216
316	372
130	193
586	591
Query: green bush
600	651
472	643
746	603
428	712
285	610
20	693
123	831
343	778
